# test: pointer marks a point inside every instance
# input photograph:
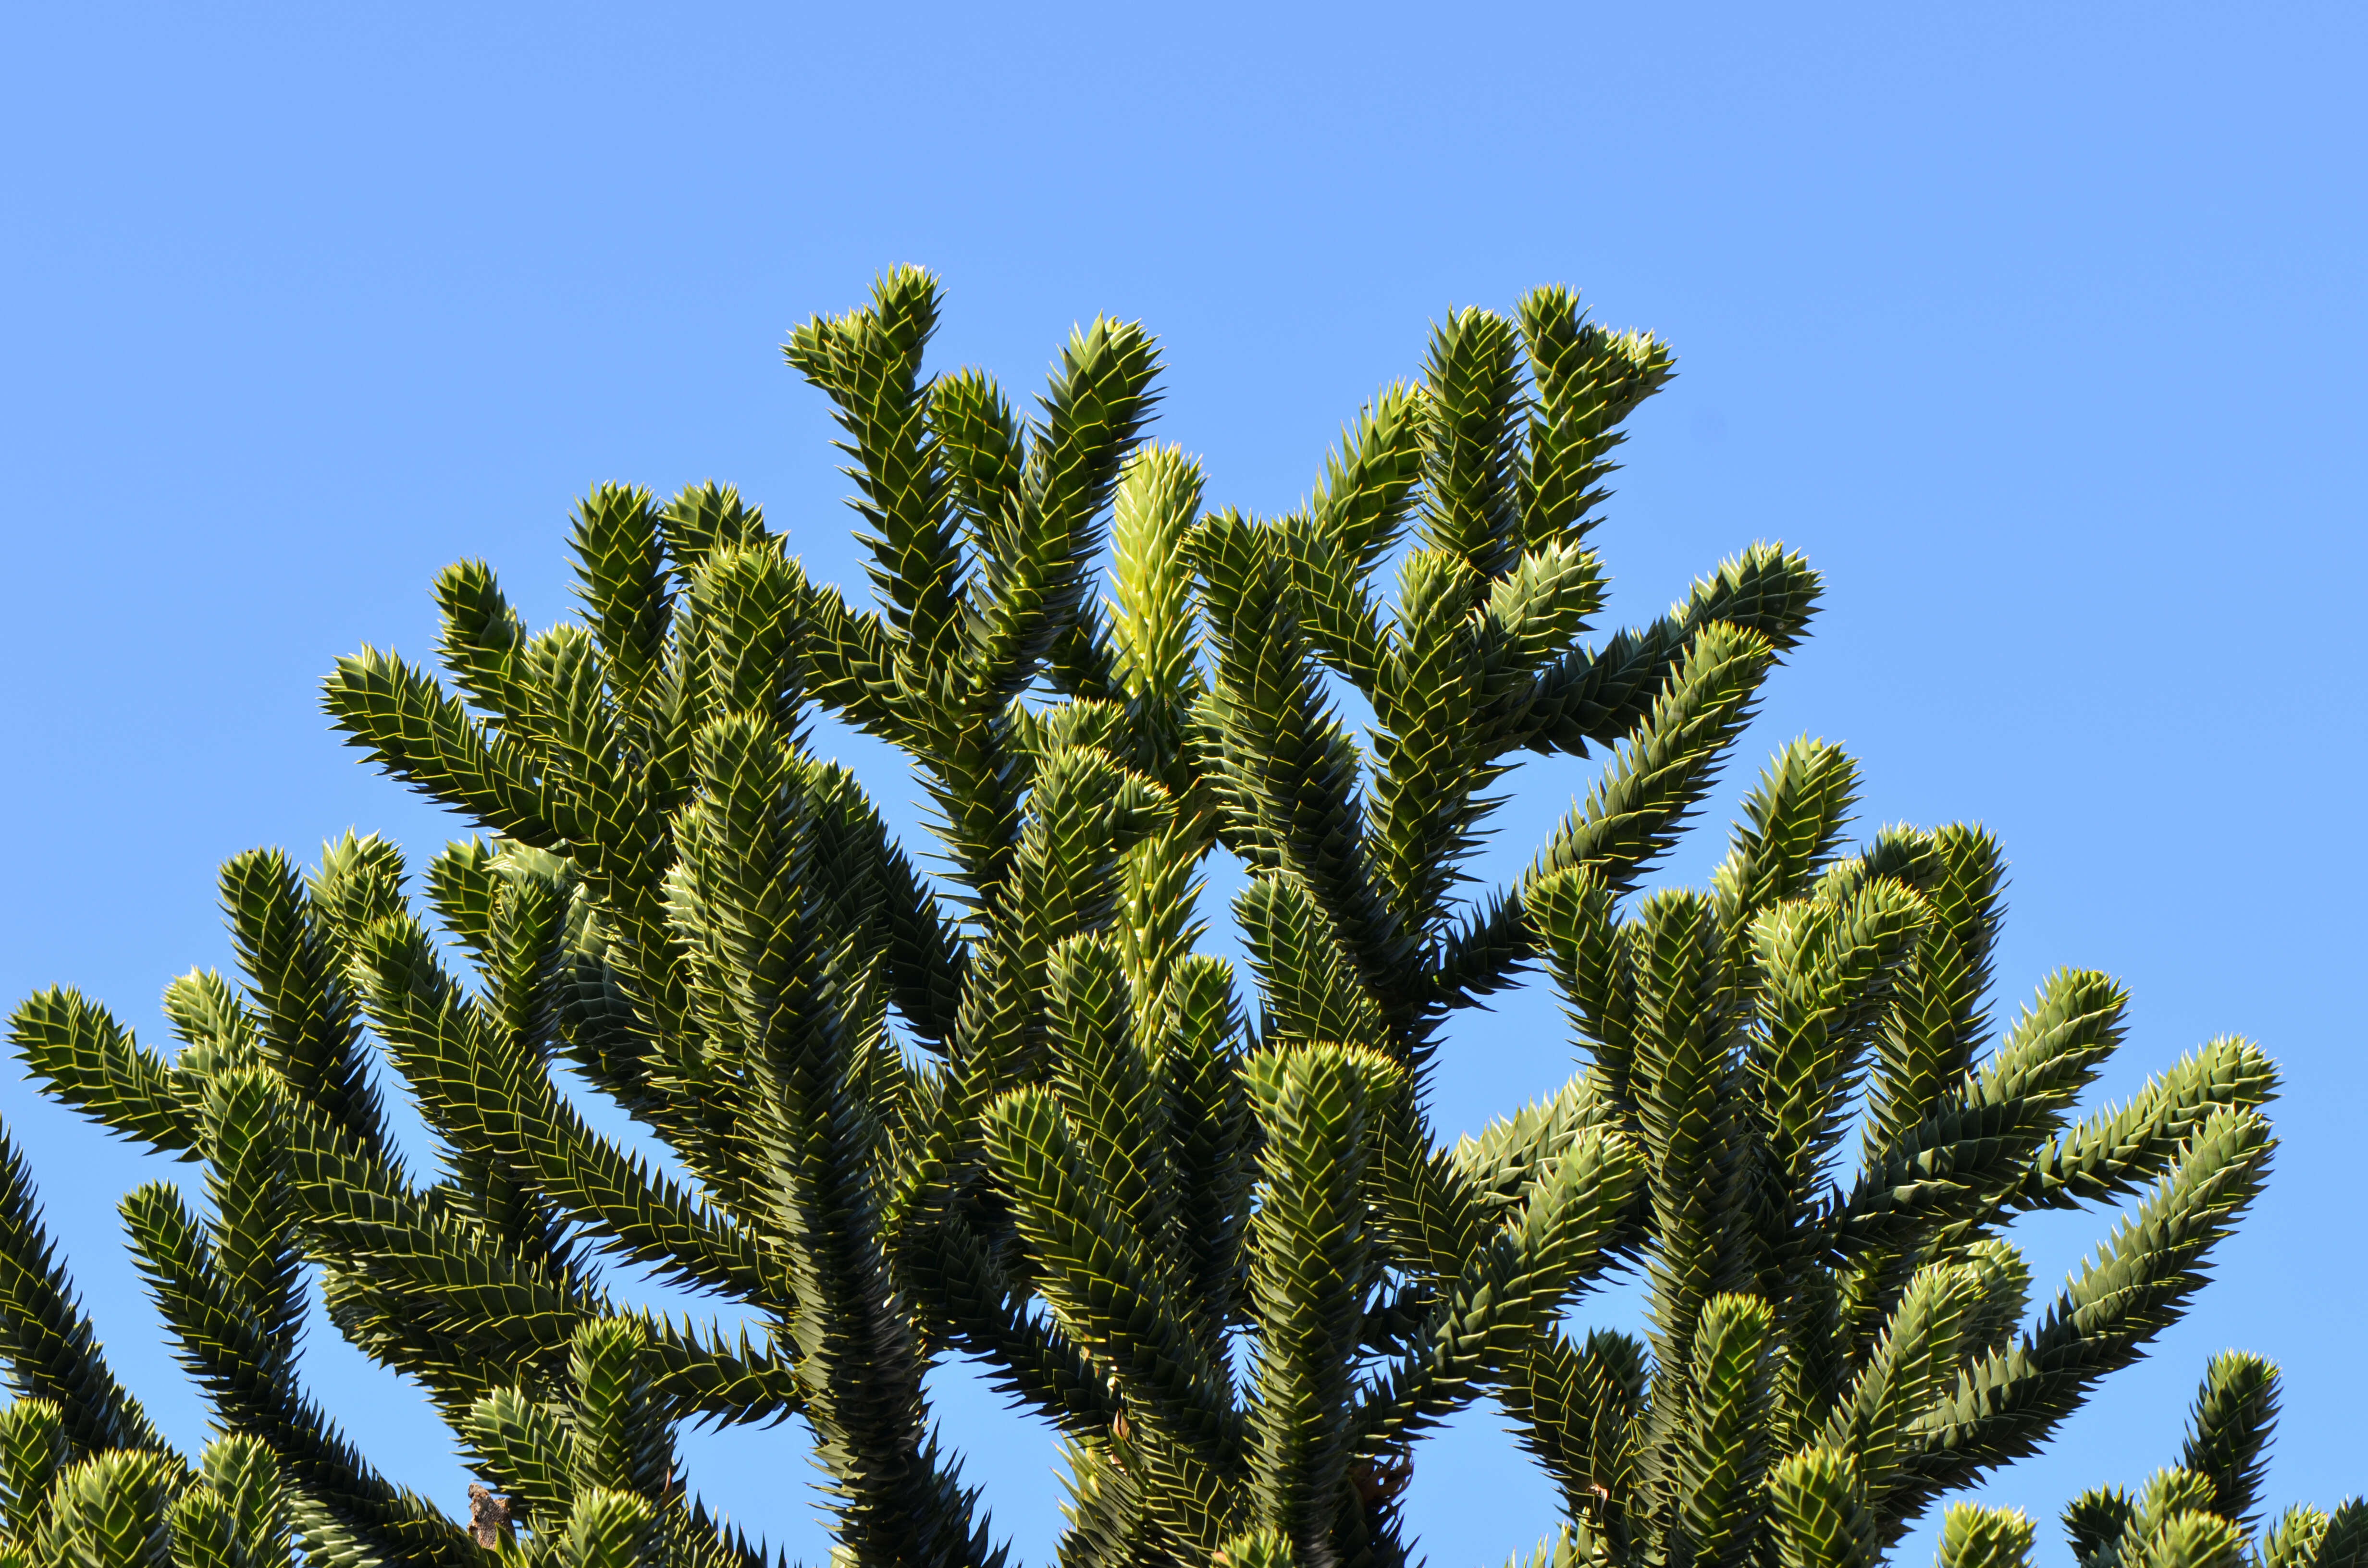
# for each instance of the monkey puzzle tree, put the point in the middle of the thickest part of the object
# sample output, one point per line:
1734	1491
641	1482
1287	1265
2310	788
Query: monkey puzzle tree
1204	1228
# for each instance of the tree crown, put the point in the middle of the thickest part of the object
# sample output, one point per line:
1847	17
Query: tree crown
1201	1226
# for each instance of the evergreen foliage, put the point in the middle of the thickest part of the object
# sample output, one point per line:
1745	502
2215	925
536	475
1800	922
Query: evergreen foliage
2204	1512
1204	1229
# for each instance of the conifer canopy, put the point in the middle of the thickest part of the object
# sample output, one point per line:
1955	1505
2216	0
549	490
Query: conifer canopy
995	1100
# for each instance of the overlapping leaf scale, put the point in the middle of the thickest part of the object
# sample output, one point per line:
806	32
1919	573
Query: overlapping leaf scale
2336	1540
523	1445
412	731
1711	1493
1210	1150
1107	1083
2007	1403
1505	1159
620	575
1939	1016
114	1510
1311	1250
482	642
1978	1138
1191	1503
53	1353
1631	814
497	1311
2118	1151
1354	518
1084	813
986	1314
869	362
255	1249
616	840
1157	923
1515	1281
1599	696
304	1010
33	1449
494	1092
246	1364
255	1502
1581	1412
1472	432
2229	1433
1974	1537
1338	616
1529	621
739	902
1913	1366
2292	1541
1101	1285
1308	978
853	663
1426	758
93	1064
1791	822
704	518
983	446
1034	576
1154	642
1585	381
796	1006
618	1439
1696	1146
213	1023
1437	1219
1283	768
1573	918
1106	1520
606	1529
1819	1512
1824	968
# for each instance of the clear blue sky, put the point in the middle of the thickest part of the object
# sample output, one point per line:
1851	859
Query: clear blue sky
2038	327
